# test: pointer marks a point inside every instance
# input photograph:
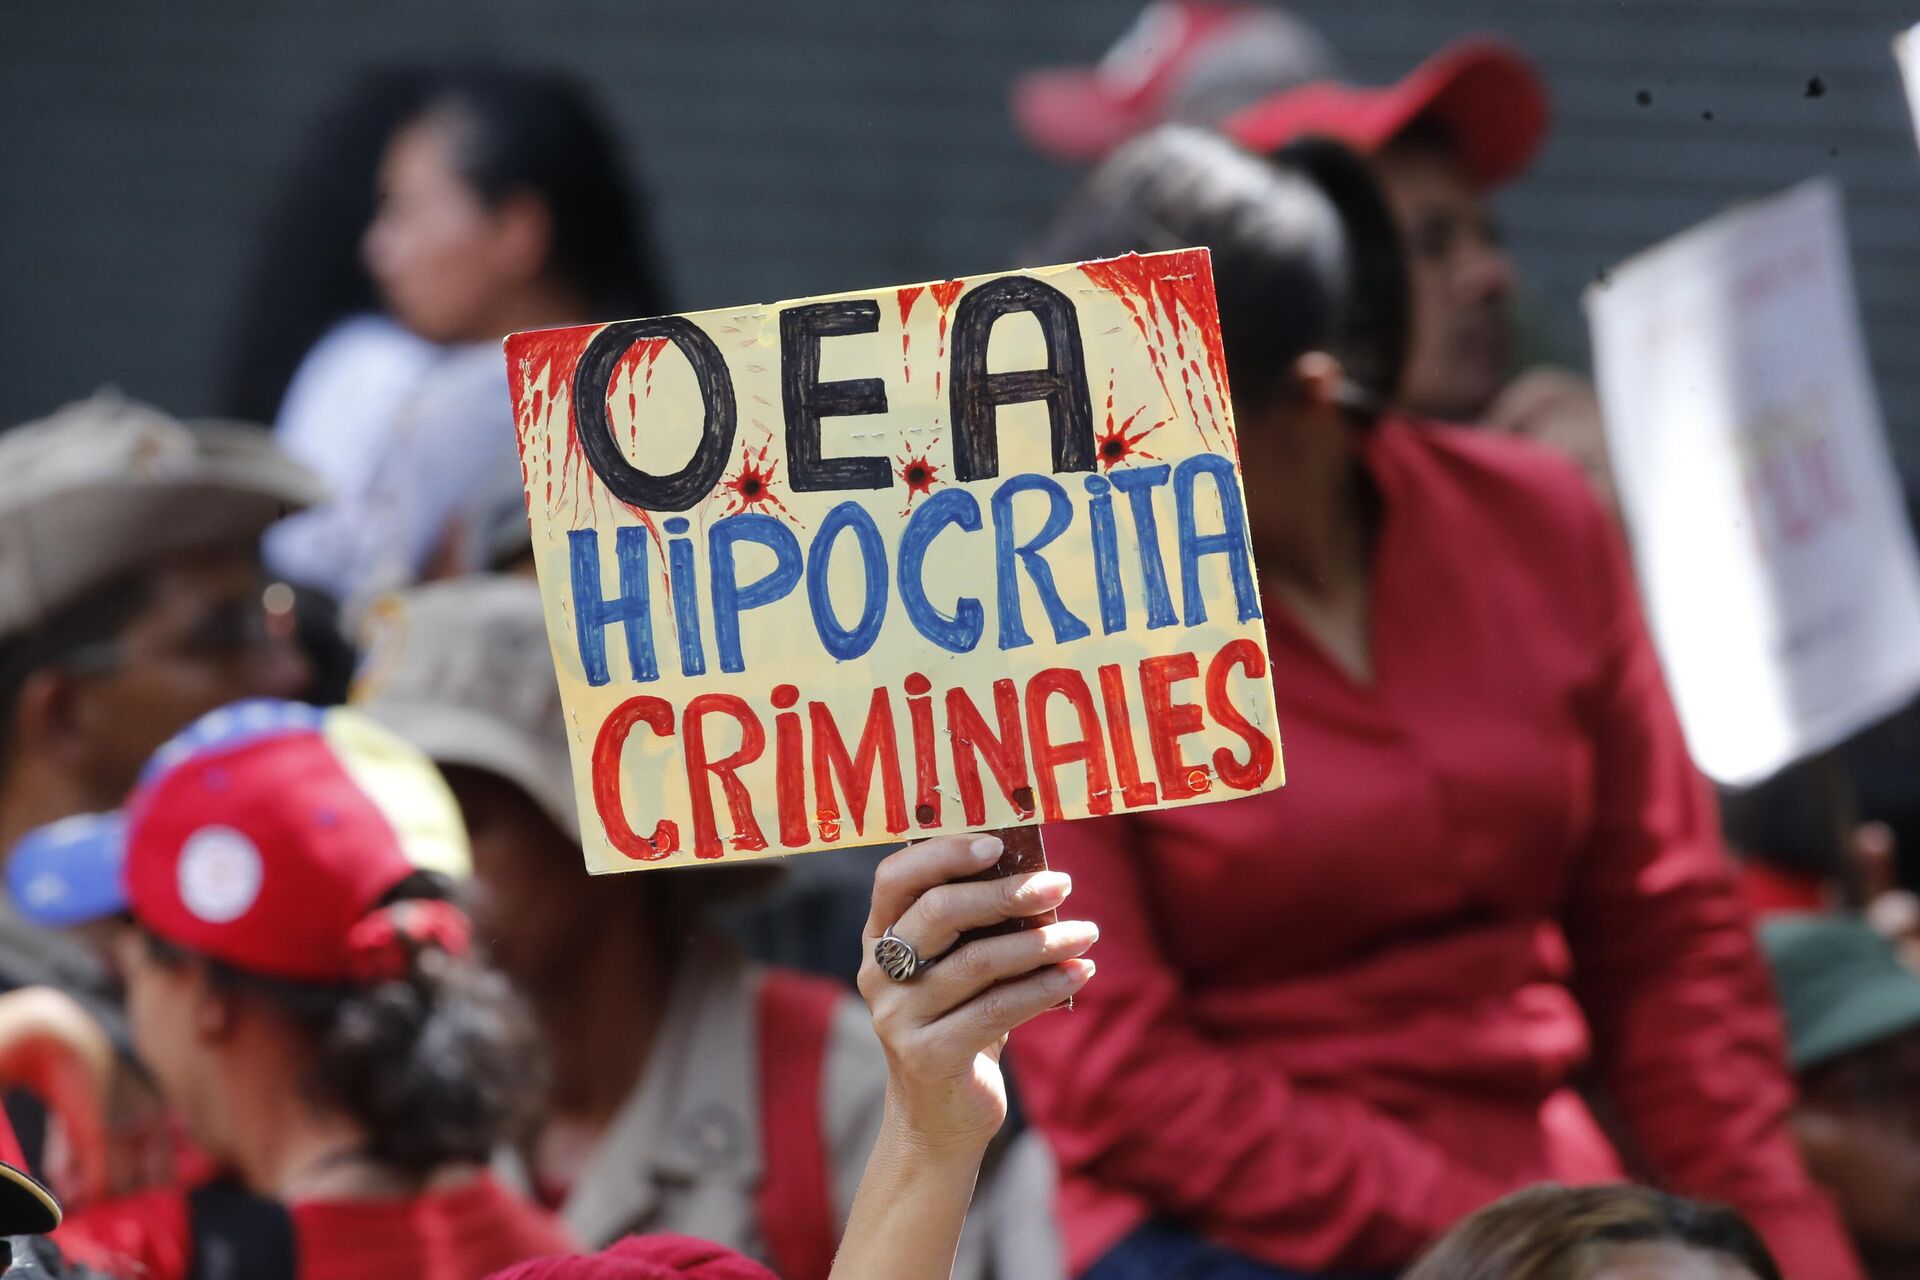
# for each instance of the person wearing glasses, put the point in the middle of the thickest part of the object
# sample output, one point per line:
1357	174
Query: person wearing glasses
131	601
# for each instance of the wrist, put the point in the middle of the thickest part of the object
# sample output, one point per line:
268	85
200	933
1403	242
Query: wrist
930	1146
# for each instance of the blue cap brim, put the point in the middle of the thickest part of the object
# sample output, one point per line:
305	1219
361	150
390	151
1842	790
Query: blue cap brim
69	872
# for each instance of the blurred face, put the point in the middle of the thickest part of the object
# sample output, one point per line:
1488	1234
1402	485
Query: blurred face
1667	1262
1859	1127
533	903
1461	279
447	263
206	638
166	1012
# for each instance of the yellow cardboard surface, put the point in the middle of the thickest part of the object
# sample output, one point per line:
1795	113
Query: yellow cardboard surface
883	565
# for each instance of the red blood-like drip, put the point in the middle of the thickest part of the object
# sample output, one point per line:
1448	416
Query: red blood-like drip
943	294
543	362
907	297
541	365
1169	283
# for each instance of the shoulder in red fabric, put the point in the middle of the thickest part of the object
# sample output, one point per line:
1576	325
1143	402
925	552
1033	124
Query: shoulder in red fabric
147	1234
645	1258
1510	470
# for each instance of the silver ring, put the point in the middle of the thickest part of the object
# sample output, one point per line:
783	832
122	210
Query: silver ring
897	958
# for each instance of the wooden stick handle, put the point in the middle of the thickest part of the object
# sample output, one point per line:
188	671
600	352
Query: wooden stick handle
1024	852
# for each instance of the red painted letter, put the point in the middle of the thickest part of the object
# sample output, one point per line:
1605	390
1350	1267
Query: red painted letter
1049	755
753	740
1113	692
1241	777
878	746
607	748
1168	721
1005	754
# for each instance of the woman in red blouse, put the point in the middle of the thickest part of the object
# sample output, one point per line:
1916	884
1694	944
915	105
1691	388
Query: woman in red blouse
1342	1015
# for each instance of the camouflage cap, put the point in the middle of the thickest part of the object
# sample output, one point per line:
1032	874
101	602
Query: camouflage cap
108	485
462	670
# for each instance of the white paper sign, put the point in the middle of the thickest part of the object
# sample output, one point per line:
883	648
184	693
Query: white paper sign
1774	558
1906	50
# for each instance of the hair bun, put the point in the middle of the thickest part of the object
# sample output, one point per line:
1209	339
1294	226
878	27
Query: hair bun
381	946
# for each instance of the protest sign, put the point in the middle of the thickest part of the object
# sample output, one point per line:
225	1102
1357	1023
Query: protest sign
947	557
1906	51
1773	555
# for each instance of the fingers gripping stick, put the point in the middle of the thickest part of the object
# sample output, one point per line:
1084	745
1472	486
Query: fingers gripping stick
1022	851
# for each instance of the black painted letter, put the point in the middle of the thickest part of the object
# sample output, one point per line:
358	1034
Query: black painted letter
806	399
975	395
594	379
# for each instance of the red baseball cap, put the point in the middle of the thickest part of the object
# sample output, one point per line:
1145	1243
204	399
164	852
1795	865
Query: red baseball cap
1182	60
264	836
1485	92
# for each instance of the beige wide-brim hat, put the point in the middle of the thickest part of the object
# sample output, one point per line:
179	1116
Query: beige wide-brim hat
462	670
108	485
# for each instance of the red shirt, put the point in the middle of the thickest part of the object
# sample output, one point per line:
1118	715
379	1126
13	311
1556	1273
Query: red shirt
462	1233
1333	1019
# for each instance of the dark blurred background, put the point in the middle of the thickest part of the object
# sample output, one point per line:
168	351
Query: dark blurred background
794	149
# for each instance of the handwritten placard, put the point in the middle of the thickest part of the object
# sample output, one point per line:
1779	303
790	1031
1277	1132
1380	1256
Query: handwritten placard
938	558
1773	553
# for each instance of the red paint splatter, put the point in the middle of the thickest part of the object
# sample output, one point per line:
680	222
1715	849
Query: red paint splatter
1117	444
636	370
752	485
1170	284
943	295
918	473
907	297
540	368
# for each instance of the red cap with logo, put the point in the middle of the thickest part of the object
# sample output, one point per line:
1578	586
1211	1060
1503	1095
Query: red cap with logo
267	836
1485	94
1182	60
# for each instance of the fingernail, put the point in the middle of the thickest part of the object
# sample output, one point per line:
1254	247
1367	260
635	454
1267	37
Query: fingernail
1050	884
1079	934
986	849
1074	972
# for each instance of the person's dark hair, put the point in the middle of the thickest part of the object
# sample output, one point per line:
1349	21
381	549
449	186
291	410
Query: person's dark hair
86	625
306	272
439	1067
1305	253
538	133
1552	1232
525	131
1426	132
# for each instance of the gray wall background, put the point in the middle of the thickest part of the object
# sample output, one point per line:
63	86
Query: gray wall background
799	148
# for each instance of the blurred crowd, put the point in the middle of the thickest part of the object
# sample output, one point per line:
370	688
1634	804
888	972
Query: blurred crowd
304	977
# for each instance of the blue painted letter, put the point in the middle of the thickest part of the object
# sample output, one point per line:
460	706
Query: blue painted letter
1138	483
1230	542
1013	632
593	613
1106	556
839	641
686	598
959	631
729	597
